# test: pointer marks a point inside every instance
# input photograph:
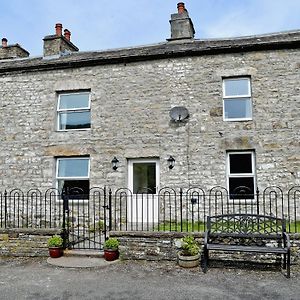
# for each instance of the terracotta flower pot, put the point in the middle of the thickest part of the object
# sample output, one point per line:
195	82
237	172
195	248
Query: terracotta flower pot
111	254
55	252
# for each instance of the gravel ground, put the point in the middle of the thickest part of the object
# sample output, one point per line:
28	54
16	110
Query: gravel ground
33	278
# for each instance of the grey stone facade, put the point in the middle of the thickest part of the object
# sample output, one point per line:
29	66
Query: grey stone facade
132	92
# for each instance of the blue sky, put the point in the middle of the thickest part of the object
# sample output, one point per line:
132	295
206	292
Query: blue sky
105	24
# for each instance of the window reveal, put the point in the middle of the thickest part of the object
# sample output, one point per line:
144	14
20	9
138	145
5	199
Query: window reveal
241	175
72	176
237	103
73	111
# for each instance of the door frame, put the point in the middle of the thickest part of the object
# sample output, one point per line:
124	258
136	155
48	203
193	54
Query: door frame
132	205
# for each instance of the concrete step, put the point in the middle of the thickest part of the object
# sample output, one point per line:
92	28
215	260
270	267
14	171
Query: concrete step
80	262
83	253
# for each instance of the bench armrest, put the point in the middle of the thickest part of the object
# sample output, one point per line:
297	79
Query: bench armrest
206	237
286	240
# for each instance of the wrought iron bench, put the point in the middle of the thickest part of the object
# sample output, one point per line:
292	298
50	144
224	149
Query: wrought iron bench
246	233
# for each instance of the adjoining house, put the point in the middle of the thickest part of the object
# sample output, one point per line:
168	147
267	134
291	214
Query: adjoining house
182	113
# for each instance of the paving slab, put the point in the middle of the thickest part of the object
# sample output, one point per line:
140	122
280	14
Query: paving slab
79	262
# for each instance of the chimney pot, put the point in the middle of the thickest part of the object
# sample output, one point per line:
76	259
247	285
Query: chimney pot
181	7
58	29
4	42
67	34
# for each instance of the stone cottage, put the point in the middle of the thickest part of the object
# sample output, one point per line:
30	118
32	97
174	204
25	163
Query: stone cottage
181	113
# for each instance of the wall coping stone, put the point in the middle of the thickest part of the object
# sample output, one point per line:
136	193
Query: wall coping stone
31	231
149	234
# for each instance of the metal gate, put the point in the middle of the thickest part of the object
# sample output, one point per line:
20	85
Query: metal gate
86	218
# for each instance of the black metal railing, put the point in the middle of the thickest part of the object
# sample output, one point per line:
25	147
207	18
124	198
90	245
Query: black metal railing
32	209
86	219
186	210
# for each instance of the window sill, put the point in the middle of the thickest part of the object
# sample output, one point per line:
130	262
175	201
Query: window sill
74	130
237	120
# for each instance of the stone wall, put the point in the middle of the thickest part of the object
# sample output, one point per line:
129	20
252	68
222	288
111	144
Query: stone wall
130	104
25	242
150	245
164	246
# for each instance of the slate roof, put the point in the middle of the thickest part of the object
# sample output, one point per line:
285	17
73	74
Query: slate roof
178	48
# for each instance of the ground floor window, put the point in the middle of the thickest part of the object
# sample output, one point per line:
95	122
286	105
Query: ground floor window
72	176
241	174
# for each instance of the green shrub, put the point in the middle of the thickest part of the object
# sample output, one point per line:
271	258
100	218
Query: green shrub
55	241
189	246
111	243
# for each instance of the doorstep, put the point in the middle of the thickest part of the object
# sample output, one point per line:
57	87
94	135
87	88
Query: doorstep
84	253
80	259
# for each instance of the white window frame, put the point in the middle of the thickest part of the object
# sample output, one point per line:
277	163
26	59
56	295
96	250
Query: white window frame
57	178
70	110
245	97
240	175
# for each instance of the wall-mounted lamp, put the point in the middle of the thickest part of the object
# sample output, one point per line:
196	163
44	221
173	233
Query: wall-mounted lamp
171	162
115	163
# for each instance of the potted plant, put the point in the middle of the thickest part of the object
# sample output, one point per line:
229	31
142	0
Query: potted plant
111	249
55	245
189	256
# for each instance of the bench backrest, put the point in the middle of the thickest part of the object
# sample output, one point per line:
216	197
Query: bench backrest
246	224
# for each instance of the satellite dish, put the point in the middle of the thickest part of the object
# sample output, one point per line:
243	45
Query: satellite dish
179	113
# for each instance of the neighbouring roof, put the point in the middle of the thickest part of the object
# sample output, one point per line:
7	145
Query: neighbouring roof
178	48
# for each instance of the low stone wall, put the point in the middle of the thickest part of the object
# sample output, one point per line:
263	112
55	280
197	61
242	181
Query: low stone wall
165	245
150	245
25	241
133	244
295	248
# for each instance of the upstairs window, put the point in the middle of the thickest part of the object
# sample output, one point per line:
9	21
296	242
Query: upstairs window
73	111
237	104
72	176
241	175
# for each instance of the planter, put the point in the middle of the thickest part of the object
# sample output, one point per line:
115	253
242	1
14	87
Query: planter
188	261
55	252
111	254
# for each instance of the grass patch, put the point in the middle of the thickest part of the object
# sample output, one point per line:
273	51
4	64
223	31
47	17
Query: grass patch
198	226
293	227
185	226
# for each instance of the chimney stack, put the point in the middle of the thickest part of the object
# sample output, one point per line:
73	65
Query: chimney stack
12	51
181	25
58	29
67	34
57	44
4	42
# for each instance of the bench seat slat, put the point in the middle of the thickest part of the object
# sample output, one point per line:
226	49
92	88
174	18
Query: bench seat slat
245	235
257	249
